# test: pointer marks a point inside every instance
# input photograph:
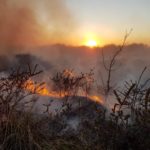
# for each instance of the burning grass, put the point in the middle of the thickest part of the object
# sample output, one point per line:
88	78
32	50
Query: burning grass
127	126
65	84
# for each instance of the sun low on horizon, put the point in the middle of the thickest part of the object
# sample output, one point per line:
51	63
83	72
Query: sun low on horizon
91	43
91	39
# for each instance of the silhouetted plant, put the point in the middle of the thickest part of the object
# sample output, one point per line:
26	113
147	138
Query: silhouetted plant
67	83
109	67
18	128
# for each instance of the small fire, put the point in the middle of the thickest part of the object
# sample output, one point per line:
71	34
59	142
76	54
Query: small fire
41	89
44	91
96	99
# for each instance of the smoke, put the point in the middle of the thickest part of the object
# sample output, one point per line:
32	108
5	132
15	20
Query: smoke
33	22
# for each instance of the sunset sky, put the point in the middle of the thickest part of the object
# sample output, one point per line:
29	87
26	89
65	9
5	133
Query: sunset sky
107	20
73	22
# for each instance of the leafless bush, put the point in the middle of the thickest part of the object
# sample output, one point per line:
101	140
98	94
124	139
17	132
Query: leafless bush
107	86
67	83
134	101
18	128
13	90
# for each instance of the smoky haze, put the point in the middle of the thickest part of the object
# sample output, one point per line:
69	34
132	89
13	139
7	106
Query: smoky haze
33	22
55	58
27	23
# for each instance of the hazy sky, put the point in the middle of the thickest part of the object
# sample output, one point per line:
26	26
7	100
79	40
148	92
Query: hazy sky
73	22
107	20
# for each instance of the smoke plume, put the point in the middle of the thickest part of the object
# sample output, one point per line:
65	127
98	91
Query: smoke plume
33	22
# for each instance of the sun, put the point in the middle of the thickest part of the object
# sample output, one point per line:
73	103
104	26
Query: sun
91	43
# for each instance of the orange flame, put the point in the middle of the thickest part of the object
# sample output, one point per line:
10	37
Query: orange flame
44	91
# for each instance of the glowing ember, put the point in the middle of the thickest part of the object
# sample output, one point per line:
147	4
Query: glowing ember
96	99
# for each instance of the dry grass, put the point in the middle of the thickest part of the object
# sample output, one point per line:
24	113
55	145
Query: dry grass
22	130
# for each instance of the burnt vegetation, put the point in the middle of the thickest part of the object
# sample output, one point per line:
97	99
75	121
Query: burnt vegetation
125	127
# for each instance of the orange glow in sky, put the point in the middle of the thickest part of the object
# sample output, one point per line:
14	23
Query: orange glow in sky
88	23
